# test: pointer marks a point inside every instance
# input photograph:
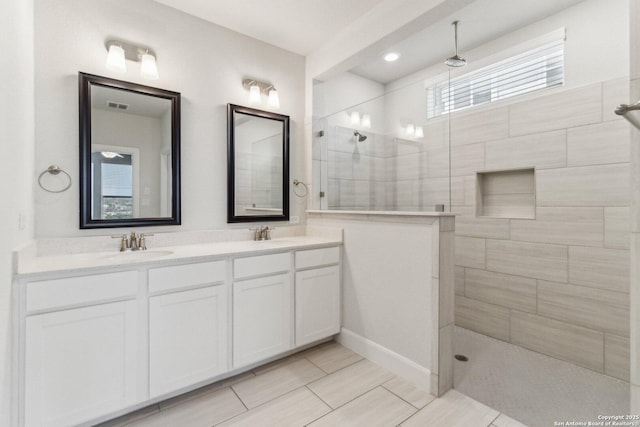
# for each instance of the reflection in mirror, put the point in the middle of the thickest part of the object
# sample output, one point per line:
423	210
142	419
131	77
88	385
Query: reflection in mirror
130	135
258	165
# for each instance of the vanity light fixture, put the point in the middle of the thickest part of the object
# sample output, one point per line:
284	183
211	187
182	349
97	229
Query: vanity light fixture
115	59
366	121
256	88
410	129
419	133
274	98
120	51
355	118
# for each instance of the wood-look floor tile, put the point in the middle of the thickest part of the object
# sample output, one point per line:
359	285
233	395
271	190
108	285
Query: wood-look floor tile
377	408
346	384
203	411
264	387
129	419
294	409
409	392
504	421
331	356
453	410
205	390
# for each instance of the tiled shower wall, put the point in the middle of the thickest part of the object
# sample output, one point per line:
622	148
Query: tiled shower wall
557	284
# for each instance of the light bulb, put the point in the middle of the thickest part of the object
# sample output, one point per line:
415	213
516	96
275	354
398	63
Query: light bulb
411	129
254	95
115	59
148	68
355	118
419	133
391	56
274	99
366	121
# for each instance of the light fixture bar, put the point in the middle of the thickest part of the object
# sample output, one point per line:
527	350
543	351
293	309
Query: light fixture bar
257	87
131	52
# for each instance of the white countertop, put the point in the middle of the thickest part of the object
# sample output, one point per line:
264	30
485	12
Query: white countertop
97	262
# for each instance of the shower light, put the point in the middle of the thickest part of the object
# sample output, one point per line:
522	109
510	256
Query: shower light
355	118
120	51
391	56
366	121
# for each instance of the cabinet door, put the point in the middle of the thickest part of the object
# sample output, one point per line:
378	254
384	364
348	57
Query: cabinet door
187	337
80	363
262	318
317	304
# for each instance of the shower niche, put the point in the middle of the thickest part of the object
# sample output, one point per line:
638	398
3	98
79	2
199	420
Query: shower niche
506	194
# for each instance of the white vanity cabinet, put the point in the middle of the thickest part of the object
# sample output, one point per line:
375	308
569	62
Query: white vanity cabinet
317	294
95	343
188	325
262	307
80	348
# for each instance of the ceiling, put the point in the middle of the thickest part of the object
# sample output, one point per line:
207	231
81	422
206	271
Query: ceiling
300	26
480	22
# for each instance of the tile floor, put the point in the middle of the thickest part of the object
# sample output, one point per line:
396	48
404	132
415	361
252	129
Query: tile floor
325	386
534	388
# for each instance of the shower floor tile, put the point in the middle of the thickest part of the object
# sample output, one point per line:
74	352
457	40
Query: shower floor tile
533	388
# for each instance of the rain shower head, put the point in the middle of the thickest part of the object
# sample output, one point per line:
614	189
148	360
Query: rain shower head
360	136
455	60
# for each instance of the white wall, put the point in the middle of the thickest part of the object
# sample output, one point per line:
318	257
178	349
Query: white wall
16	142
204	62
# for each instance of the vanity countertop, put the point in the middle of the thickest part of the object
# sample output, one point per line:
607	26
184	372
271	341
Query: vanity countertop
97	262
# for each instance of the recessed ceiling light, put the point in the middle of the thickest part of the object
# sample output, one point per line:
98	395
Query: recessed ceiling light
391	56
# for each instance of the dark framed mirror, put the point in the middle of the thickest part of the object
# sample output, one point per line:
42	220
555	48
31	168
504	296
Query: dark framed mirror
129	154
257	165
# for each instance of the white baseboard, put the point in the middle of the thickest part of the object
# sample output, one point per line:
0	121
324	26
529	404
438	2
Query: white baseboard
399	365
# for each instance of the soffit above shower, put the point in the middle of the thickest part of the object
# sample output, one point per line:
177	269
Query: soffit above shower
300	26
480	22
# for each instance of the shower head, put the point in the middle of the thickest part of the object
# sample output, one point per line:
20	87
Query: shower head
360	136
455	60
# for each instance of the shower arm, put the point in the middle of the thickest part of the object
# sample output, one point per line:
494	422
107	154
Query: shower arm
624	109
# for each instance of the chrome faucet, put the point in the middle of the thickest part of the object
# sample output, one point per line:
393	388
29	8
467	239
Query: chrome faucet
135	241
262	233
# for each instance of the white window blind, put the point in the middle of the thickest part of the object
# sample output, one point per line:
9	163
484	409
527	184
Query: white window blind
533	70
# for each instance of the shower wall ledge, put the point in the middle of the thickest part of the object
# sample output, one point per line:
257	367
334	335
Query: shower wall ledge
382	213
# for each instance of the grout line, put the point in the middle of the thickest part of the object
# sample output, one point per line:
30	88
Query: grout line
492	421
239	398
402	398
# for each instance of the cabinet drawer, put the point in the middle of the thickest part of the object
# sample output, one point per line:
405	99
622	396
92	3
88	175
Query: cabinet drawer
261	265
49	294
182	276
316	257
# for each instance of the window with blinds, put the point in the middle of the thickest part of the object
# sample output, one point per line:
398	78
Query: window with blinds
533	70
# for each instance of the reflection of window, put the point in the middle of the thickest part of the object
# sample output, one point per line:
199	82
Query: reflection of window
113	180
533	70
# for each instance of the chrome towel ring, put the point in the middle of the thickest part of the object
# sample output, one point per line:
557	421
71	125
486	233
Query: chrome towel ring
54	170
306	189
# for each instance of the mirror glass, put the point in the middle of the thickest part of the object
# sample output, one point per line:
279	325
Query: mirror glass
129	143
258	165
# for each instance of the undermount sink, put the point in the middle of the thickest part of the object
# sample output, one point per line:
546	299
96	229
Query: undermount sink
137	255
